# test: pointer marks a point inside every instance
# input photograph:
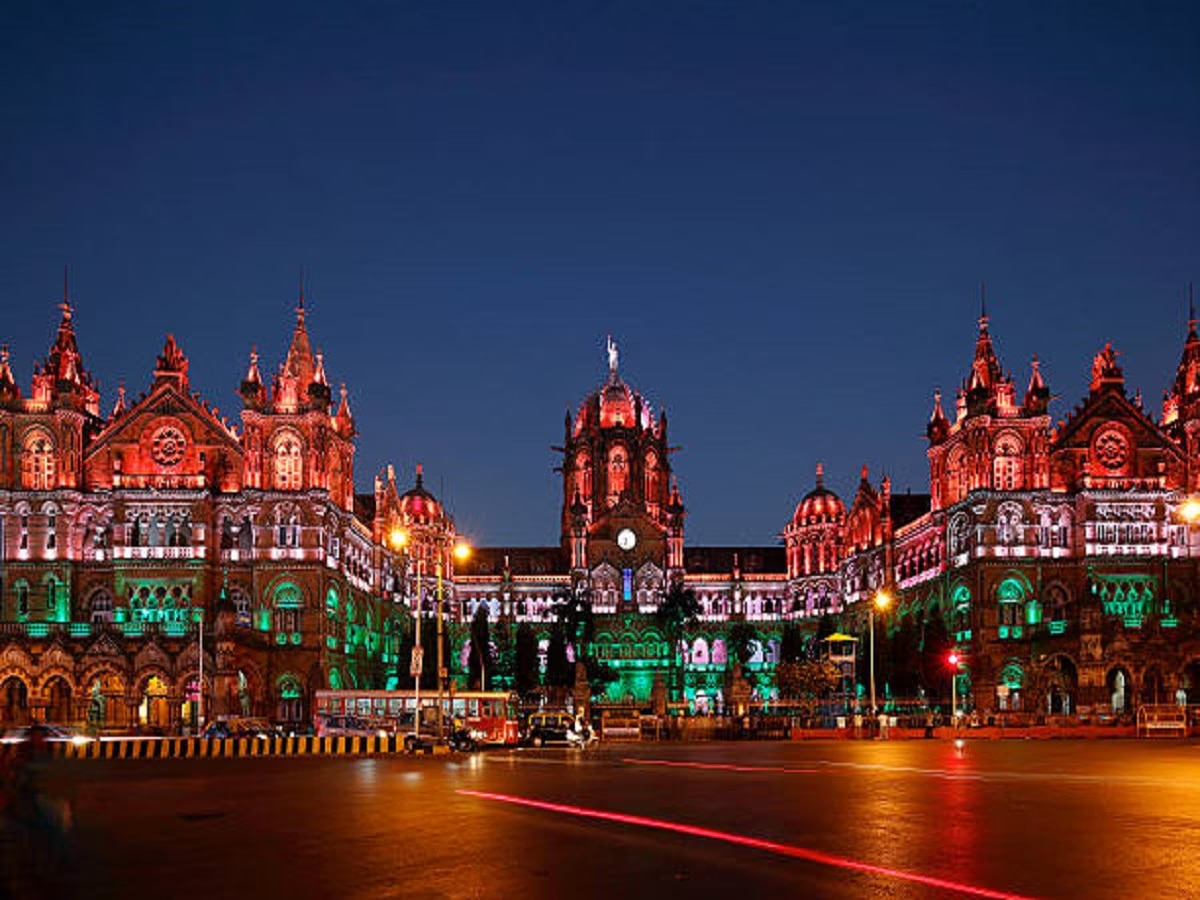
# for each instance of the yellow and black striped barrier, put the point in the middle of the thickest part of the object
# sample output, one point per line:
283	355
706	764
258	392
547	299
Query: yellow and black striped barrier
184	748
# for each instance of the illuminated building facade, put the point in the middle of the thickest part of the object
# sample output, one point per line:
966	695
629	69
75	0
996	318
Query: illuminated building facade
1056	557
121	533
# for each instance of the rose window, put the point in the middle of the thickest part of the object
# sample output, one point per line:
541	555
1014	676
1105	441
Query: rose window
1112	449
168	445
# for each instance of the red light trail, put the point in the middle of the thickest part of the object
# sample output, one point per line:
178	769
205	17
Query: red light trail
814	856
721	767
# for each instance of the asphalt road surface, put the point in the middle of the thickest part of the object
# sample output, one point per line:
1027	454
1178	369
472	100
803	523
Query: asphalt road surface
825	819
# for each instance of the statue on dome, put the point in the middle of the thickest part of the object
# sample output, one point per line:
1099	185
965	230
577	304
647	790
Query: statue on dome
612	355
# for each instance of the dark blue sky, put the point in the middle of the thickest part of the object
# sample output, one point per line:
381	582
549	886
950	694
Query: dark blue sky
781	214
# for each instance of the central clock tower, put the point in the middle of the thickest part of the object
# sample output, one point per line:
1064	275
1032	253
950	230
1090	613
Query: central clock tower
620	501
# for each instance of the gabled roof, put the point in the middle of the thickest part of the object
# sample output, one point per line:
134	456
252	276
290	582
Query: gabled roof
1111	404
165	399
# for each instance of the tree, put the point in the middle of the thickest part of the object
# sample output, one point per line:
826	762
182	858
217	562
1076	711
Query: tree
480	663
806	683
573	610
505	667
559	671
791	644
678	612
600	675
525	676
742	640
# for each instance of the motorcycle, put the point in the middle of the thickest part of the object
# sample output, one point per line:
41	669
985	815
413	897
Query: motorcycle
581	738
462	741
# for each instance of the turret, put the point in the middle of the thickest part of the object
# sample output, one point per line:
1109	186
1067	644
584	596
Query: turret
10	394
1037	395
939	426
252	391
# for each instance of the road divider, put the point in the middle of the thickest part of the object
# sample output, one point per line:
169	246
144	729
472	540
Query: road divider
185	748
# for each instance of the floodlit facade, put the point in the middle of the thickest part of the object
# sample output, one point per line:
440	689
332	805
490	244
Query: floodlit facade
123	532
157	553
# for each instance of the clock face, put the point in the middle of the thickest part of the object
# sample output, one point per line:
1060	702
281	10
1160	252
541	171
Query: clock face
626	539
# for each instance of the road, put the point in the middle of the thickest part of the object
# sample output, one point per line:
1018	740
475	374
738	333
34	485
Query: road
909	819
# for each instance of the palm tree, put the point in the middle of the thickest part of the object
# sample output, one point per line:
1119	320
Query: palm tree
742	640
679	611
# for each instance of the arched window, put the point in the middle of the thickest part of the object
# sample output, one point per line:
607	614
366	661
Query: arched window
583	476
960	601
37	462
288	603
1006	466
287	527
21	596
291	699
241	607
618	474
287	461
956	476
1056	606
652	476
100	606
1010	596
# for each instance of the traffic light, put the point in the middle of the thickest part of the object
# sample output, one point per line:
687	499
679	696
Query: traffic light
953	659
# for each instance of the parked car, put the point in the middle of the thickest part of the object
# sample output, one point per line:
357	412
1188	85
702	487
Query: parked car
348	726
548	728
237	727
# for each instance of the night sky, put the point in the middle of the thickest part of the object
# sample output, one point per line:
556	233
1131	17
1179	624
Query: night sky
781	215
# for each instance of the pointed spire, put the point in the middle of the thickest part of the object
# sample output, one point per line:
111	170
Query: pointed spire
119	408
820	476
938	427
420	475
1037	395
864	474
66	368
343	420
983	316
300	305
938	414
299	363
1187	375
319	375
252	374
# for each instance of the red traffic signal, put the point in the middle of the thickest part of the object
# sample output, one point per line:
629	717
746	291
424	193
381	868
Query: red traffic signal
952	659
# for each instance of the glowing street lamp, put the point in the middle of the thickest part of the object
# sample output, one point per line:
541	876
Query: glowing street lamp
398	538
881	602
1189	511
461	551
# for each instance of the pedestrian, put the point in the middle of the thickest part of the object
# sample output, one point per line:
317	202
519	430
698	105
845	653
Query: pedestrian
883	726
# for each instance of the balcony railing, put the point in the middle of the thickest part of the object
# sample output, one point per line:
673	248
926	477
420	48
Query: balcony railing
91	629
192	552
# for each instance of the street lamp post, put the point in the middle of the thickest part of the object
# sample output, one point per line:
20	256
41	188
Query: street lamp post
399	541
461	552
881	602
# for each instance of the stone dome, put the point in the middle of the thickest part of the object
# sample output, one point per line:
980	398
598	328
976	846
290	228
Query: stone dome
819	505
